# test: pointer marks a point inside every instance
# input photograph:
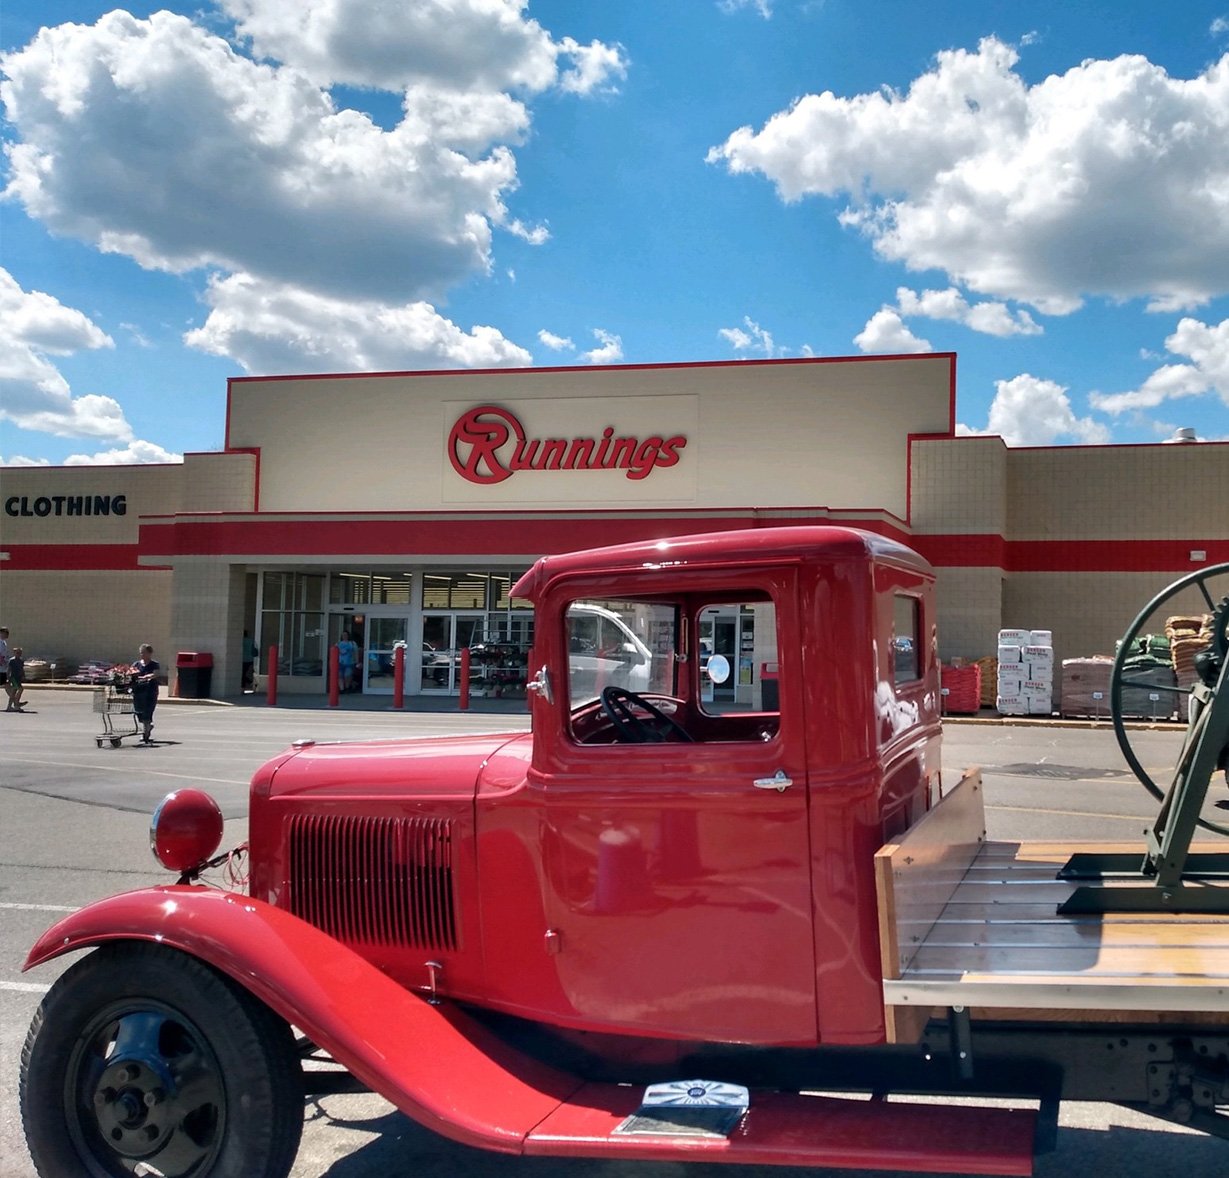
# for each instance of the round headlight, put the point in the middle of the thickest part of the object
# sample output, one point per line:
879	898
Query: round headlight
186	830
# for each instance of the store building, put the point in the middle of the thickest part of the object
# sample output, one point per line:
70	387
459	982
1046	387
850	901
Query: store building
402	507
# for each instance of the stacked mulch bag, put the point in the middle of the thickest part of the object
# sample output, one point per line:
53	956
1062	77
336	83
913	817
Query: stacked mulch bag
1085	686
1148	679
1187	637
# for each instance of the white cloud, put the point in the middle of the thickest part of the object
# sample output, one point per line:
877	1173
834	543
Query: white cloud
886	334
595	67
989	318
485	45
556	343
1219	27
762	7
282	329
134	453
34	394
154	139
1207	349
610	350
1108	179
327	237
1029	411
751	337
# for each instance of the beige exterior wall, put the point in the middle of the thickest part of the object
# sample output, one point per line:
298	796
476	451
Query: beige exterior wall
976	486
772	435
104	614
960	486
1119	492
99	612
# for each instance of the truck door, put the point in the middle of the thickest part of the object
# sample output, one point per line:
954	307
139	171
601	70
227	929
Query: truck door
678	873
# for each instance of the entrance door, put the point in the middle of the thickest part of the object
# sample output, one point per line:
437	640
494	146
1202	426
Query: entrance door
444	636
383	637
355	625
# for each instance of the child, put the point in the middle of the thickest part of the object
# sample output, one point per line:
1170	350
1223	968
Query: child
16	684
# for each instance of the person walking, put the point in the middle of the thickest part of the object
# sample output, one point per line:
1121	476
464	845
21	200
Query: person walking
15	684
4	655
249	661
145	690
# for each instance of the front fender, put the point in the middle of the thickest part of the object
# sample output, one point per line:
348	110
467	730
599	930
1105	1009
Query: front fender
436	1064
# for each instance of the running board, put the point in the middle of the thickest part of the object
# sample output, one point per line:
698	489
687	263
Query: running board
789	1129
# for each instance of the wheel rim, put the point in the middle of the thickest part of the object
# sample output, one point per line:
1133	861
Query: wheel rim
143	1086
1198	580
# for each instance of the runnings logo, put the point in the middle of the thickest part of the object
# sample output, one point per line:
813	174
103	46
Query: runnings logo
488	445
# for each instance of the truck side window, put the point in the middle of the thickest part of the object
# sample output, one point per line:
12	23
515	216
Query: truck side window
738	658
628	644
906	623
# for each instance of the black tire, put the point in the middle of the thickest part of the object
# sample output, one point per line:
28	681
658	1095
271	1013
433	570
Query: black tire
141	1053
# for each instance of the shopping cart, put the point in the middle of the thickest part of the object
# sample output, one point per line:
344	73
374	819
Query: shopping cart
112	703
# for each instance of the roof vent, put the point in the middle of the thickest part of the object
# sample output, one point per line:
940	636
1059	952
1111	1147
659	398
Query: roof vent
1183	433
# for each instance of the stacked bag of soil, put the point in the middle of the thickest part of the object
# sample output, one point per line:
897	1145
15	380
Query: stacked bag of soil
1085	688
1187	636
1149	680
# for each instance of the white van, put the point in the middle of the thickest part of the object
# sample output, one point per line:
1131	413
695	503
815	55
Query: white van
604	651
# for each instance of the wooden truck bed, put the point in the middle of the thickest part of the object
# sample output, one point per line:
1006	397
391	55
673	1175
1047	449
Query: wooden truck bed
971	923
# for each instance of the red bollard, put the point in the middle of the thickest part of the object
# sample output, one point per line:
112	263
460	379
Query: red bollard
465	680
399	677
271	678
334	677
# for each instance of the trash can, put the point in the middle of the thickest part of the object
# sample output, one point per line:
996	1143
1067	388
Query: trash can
194	674
770	695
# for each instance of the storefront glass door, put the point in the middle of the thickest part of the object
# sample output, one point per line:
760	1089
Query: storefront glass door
444	636
383	637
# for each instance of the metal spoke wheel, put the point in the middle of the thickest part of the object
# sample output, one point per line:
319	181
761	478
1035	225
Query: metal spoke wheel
144	1060
1212	585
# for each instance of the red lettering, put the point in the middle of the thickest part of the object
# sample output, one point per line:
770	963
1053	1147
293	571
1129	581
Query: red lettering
487	445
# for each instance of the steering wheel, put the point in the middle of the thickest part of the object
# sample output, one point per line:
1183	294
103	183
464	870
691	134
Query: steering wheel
620	706
1119	678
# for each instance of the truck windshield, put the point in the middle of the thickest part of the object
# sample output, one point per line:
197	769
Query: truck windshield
619	643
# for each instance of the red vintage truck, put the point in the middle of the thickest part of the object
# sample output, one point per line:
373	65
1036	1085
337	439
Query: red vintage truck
699	919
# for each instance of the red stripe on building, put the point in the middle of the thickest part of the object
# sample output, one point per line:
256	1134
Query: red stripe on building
71	557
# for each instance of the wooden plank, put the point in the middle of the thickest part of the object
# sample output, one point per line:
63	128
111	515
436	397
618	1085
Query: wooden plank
914	880
1206	965
917	876
1000	948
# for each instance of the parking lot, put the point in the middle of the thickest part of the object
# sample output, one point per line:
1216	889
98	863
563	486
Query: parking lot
75	828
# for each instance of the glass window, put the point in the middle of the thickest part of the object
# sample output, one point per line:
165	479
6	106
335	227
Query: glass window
906	627
292	617
620	644
738	657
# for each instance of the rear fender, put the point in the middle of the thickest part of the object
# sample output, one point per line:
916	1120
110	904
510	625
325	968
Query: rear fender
436	1064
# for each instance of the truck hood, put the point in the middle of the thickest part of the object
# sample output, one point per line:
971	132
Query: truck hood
429	767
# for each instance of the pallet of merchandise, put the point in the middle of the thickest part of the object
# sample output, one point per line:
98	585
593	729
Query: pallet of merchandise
1084	688
961	689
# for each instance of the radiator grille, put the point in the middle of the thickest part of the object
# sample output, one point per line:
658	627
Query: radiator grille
370	880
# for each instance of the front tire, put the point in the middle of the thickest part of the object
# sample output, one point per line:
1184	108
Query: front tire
143	1054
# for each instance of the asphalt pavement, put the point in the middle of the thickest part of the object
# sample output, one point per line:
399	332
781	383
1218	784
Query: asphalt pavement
74	828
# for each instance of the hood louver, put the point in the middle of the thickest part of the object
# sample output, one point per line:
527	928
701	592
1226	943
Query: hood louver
372	881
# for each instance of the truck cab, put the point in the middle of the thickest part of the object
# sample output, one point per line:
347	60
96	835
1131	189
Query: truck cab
648	861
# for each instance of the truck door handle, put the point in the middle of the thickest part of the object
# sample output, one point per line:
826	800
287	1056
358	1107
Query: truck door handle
777	781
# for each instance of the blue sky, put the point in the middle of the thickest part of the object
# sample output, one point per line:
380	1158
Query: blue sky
193	192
